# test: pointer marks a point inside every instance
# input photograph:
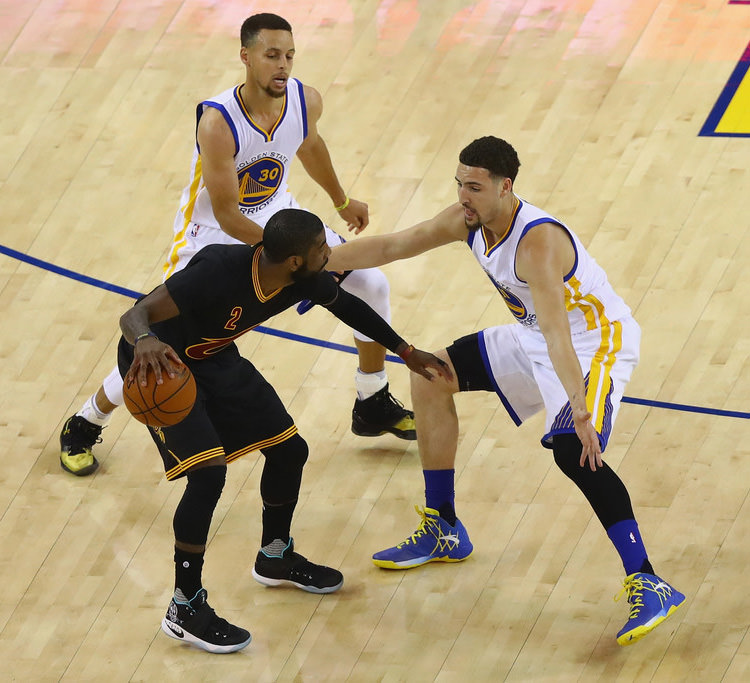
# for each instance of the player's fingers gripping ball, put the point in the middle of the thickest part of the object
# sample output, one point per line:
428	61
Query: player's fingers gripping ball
160	405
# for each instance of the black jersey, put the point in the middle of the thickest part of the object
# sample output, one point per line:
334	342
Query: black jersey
220	298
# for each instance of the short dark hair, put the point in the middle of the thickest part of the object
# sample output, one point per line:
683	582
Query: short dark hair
290	232
253	25
494	154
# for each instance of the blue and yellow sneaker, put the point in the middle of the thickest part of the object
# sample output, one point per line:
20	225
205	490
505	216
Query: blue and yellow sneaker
651	602
434	541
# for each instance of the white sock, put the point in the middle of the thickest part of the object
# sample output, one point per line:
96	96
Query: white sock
369	383
91	412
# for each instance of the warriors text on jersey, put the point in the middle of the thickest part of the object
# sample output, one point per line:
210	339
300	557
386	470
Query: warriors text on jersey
589	298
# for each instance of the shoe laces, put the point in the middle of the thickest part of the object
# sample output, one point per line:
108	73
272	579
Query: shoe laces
421	530
390	398
82	433
219	625
632	586
635	585
389	403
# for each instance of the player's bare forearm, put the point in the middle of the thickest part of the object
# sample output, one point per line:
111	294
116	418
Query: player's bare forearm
317	163
153	308
148	350
568	369
367	252
134	323
236	225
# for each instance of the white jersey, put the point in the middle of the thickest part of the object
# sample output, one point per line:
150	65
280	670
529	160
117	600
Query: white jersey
262	159
589	298
605	336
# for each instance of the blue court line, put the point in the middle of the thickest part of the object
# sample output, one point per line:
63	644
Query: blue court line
67	273
45	265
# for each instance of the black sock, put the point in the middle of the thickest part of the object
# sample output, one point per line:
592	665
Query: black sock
277	521
187	572
448	513
646	568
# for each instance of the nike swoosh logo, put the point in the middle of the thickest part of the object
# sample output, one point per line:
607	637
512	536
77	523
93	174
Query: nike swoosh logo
175	629
450	537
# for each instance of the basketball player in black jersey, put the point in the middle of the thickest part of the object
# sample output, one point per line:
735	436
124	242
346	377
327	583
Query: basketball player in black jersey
194	318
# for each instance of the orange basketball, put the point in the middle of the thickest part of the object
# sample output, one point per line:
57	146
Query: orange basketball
161	405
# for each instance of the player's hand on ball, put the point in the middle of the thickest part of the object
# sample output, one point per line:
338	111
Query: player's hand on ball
155	354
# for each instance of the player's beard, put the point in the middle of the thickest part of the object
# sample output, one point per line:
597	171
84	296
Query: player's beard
274	93
474	226
305	272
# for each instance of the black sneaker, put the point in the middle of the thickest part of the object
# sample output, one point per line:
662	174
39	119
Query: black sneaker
77	438
381	413
194	622
292	568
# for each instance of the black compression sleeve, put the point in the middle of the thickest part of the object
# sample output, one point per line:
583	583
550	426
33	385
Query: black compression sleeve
357	314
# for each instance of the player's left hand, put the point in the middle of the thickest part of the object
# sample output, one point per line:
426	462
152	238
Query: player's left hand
356	215
591	450
419	361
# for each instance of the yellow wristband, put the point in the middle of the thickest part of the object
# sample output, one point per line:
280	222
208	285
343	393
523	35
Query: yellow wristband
343	206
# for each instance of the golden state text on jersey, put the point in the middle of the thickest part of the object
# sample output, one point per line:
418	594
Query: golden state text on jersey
262	156
259	180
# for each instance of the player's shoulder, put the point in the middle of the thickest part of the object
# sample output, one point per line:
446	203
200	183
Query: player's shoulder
451	221
451	214
313	101
320	288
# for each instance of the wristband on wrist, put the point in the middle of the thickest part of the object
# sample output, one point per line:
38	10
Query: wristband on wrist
343	206
143	336
406	352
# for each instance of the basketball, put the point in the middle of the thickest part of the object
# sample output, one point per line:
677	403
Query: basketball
161	405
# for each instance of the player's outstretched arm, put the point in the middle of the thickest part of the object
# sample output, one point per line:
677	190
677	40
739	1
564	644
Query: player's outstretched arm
369	252
358	314
149	351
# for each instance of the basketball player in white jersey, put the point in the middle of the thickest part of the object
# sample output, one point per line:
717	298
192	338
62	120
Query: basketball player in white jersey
570	353
246	140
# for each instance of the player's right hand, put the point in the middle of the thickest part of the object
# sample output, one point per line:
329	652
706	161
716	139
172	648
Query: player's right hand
153	353
356	215
419	361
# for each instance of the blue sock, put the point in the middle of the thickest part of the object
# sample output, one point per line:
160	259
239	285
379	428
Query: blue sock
628	543
439	488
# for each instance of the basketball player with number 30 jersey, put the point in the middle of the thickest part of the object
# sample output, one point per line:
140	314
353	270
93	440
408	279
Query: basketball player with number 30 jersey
246	139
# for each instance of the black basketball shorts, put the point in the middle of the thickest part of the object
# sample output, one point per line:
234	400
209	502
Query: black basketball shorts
236	412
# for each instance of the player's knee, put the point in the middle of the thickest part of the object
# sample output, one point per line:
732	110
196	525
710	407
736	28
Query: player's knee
372	286
205	484
436	387
379	286
290	455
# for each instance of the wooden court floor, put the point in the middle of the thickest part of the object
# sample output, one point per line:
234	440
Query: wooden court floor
603	100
